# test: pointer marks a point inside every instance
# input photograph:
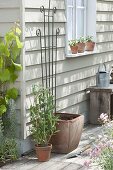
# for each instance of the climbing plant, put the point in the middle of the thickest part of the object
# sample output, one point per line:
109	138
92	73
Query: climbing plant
10	47
9	51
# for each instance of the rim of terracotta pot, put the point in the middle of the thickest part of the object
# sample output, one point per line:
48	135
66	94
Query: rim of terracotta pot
43	146
90	42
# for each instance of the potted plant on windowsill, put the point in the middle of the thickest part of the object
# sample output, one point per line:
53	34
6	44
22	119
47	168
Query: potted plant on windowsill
81	45
73	46
90	44
43	122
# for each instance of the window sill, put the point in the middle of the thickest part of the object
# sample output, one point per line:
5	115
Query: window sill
86	53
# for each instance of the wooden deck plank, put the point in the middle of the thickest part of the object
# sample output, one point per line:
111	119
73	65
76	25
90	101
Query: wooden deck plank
15	165
58	165
43	165
29	165
72	166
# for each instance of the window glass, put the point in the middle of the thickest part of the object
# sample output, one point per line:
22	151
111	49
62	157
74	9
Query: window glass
70	2
80	23
70	23
80	2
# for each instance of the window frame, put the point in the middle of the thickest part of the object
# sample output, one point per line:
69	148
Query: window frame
88	30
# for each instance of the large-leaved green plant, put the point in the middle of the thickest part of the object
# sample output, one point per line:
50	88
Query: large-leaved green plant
10	47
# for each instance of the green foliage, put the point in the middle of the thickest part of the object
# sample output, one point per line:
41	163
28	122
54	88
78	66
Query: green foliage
89	39
10	48
8	150
9	51
42	118
101	152
1	129
2	109
72	43
12	93
8	145
81	40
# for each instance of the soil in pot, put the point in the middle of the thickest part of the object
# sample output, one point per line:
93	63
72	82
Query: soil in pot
74	49
81	47
43	152
90	46
70	129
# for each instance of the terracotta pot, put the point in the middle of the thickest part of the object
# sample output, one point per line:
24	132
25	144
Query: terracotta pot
74	49
70	129
90	46
81	47
43	152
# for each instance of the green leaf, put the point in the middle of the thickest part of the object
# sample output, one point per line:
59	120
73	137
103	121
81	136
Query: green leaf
18	67
0	39
3	109
9	37
1	62
4	50
5	75
2	101
13	75
18	31
6	99
12	93
19	44
15	51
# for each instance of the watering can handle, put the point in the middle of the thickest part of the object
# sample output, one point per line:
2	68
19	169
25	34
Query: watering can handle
100	65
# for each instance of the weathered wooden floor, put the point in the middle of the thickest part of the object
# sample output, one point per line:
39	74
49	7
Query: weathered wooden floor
58	161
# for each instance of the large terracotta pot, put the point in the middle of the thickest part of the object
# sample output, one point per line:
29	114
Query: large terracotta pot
43	152
90	46
70	129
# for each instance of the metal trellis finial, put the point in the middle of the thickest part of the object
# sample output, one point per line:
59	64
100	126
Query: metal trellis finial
42	9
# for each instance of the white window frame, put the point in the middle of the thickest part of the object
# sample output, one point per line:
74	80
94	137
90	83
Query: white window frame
90	24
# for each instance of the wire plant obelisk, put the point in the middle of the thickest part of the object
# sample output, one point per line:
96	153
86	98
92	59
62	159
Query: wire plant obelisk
48	38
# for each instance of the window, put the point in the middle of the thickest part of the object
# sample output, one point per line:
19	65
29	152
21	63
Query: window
81	18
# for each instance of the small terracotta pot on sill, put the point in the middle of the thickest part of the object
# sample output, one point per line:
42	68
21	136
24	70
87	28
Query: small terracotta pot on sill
81	47
43	152
90	46
74	49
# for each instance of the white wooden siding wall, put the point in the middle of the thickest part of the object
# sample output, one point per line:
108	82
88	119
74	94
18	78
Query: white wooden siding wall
9	13
73	75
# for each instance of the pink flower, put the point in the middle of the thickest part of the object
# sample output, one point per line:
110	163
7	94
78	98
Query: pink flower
87	163
95	152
